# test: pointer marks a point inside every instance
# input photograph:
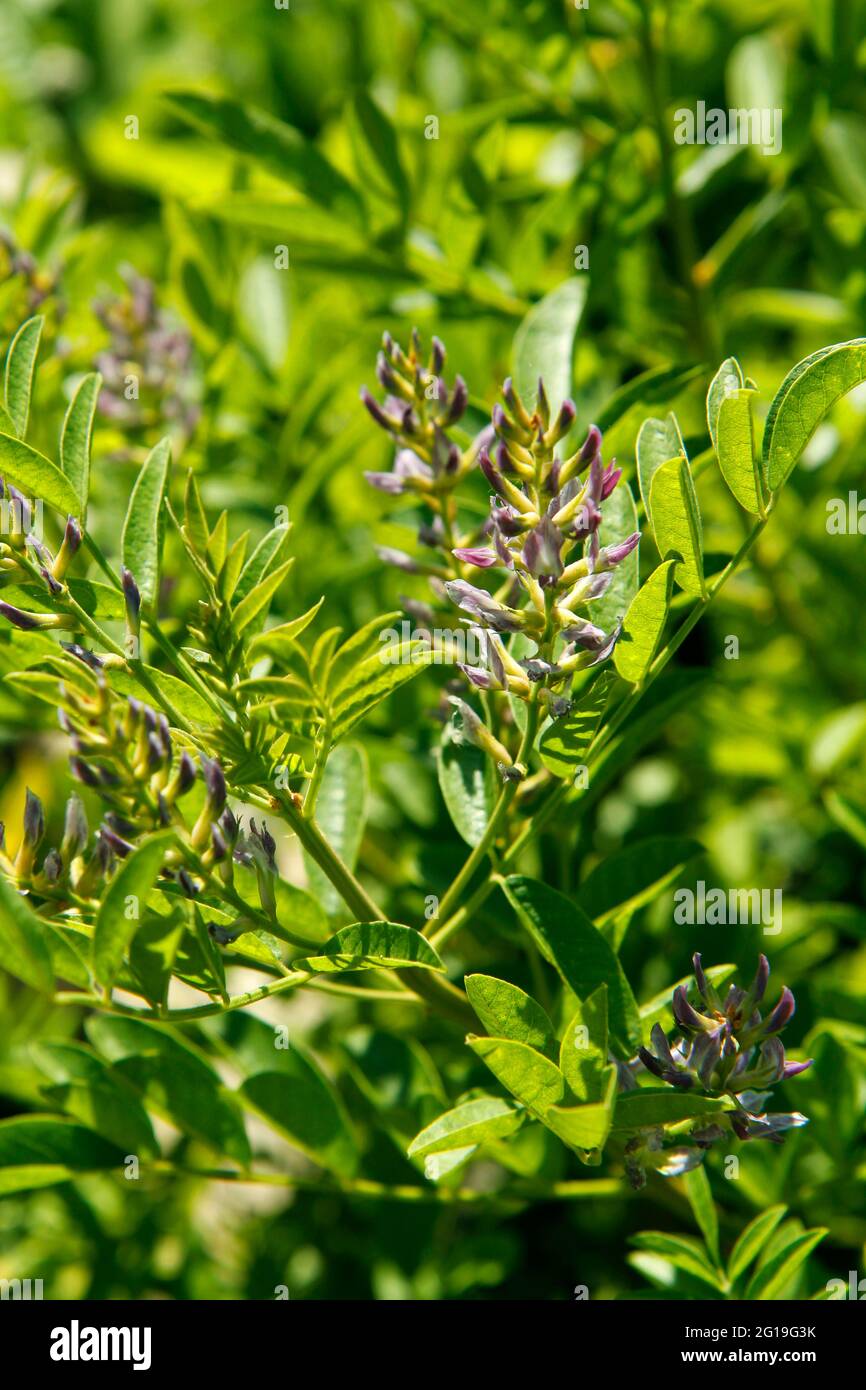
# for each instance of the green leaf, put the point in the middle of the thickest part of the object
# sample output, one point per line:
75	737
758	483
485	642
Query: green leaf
583	1052
735	446
770	1280
467	782
89	1091
644	624
578	951
349	655
565	742
173	1081
341	811
469	1124
194	520
372	681
262	560
727	381
176	691
98	600
141	540
278	147
507	1012
36	476
585	1127
677	522
122	907
544	343
76	435
301	1104
532	1078
23	951
752	1240
299	912
152	953
20	368
377	153
806	395
279	642
657	442
619	522
683	1252
635	876
700	1196
655	1106
657	384
38	1150
258	598
373	945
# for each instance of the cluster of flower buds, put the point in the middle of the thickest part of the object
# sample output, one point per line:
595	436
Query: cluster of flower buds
26	285
726	1048
544	531
418	411
147	368
25	558
61	866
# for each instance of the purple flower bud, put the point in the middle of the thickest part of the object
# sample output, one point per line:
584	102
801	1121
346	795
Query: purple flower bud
386	482
121	847
186	773
155	753
132	599
52	867
215	783
482	606
586	635
479	556
229	825
759	984
437	358
591	445
90	659
488	468
781	1015
75	829
54	585
388	422
477	676
83	772
72	534
34	819
685	1015
187	883
609	480
398	558
542	404
384	374
541	551
34	622
218	844
458	403
611	555
562	424
795	1068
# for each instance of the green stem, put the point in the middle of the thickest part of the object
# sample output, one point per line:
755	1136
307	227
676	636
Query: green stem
488	839
436	991
384	1192
543	815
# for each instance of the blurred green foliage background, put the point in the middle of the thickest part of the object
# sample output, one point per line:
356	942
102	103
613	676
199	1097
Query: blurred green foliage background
553	131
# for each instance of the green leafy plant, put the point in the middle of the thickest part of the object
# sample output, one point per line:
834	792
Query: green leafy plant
234	716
